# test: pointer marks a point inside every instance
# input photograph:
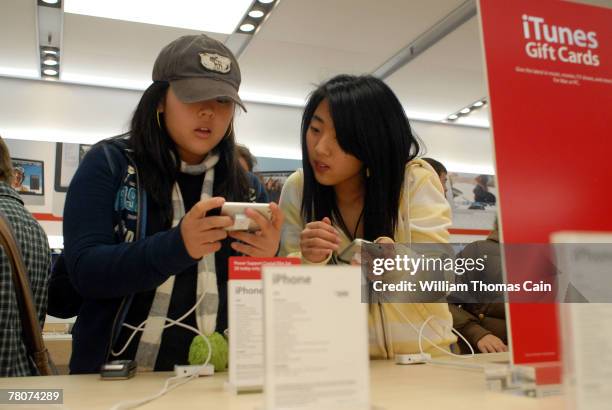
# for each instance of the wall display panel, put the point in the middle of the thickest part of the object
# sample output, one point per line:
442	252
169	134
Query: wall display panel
67	160
477	192
273	182
28	176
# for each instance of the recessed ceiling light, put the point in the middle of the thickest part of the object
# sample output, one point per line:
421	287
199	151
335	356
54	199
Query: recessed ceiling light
50	71
247	27
202	15
50	60
266	1
256	14
453	117
478	104
50	50
466	110
50	1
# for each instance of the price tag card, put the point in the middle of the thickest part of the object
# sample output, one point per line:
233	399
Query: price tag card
316	338
245	317
584	261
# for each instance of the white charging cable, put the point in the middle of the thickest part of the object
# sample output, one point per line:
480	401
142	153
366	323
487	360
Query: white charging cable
171	322
421	336
438	347
167	387
179	379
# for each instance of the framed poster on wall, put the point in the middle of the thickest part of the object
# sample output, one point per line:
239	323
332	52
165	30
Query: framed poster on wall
273	182
476	192
67	160
28	176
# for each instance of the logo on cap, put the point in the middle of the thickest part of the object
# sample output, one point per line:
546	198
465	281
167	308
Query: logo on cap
215	62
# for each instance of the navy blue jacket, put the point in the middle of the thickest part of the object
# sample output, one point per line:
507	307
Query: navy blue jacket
105	272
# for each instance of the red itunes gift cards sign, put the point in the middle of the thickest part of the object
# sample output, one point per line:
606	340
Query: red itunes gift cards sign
549	69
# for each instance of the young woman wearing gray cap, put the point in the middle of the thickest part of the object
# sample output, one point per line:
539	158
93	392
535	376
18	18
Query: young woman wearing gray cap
139	245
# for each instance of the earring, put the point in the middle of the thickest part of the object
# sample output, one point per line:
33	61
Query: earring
229	131
367	172
158	120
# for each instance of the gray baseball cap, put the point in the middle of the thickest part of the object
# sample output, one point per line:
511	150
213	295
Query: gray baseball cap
199	68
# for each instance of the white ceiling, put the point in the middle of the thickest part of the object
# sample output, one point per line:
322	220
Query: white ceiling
19	55
189	14
454	73
306	42
302	43
104	51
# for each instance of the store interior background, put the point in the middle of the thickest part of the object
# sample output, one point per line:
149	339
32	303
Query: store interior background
106	63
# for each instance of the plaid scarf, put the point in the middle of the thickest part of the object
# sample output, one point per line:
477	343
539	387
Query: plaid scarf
206	312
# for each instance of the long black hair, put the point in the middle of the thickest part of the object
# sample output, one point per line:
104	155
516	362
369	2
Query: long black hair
371	125
155	152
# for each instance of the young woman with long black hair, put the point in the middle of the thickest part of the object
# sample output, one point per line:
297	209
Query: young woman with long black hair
139	244
362	179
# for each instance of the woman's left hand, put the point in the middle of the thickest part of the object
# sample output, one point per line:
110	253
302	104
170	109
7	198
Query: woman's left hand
263	243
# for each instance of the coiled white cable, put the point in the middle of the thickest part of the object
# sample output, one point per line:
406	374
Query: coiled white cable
422	336
170	323
180	380
438	347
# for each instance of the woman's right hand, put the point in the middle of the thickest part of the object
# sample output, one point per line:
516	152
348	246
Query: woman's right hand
318	240
203	234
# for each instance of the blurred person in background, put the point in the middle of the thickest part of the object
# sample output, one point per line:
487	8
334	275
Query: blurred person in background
481	322
34	247
481	191
246	160
440	170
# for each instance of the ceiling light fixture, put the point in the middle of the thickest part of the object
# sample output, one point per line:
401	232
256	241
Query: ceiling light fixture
49	50
247	27
256	14
467	110
50	60
57	4
255	17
